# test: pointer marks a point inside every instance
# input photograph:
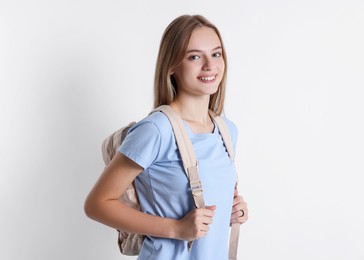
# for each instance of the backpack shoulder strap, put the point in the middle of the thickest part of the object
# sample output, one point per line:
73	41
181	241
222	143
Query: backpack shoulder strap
187	153
235	228
225	134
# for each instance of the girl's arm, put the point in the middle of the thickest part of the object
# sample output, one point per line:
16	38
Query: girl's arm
103	206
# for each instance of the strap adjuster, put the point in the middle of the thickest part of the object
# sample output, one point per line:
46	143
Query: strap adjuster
196	186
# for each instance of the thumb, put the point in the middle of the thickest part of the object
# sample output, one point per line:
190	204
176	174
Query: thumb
211	207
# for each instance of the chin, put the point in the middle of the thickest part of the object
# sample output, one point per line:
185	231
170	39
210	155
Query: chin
212	90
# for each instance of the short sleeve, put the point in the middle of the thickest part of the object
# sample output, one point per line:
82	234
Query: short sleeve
142	143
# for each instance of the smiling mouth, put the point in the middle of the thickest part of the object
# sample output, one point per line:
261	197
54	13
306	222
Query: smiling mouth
209	79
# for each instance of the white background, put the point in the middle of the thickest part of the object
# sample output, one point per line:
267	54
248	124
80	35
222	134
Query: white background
72	72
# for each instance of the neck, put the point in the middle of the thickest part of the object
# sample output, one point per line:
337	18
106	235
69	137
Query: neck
195	113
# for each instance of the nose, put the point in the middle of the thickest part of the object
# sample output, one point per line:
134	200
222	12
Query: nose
207	65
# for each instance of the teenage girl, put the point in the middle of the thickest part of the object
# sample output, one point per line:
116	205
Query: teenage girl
190	76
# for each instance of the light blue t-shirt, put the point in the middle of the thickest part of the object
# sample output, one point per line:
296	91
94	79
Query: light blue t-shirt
164	191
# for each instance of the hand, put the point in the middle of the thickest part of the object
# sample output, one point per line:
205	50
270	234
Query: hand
239	212
196	223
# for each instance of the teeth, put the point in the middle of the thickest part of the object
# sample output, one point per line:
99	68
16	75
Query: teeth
207	78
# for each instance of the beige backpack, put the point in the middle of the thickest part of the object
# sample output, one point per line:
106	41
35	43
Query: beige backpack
129	243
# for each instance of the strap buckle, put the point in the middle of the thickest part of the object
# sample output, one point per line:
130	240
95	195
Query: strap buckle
196	186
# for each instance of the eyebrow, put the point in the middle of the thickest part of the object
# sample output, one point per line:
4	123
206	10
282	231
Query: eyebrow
195	50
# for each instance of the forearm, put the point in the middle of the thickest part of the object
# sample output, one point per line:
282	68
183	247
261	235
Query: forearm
119	216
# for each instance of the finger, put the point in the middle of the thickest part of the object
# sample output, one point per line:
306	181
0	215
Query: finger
213	207
239	204
238	214
237	200
204	220
237	207
204	227
241	220
203	232
209	211
238	217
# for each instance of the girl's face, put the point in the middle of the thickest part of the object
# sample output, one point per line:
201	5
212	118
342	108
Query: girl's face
202	68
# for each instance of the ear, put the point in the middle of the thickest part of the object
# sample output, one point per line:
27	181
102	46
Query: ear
171	72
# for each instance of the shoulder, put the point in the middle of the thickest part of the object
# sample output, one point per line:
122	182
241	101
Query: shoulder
160	120
155	122
155	126
147	139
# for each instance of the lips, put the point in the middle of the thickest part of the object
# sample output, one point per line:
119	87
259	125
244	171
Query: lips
207	79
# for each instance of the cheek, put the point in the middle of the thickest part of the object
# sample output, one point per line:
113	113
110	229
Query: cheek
183	76
222	65
189	72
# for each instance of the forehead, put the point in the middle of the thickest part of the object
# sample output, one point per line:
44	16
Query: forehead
204	38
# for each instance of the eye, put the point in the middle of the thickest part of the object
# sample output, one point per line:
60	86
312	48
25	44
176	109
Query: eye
217	55
194	57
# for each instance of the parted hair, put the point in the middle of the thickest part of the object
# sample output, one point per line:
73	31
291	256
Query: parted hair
172	50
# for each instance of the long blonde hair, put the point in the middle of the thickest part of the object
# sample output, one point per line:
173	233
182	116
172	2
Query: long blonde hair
172	50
